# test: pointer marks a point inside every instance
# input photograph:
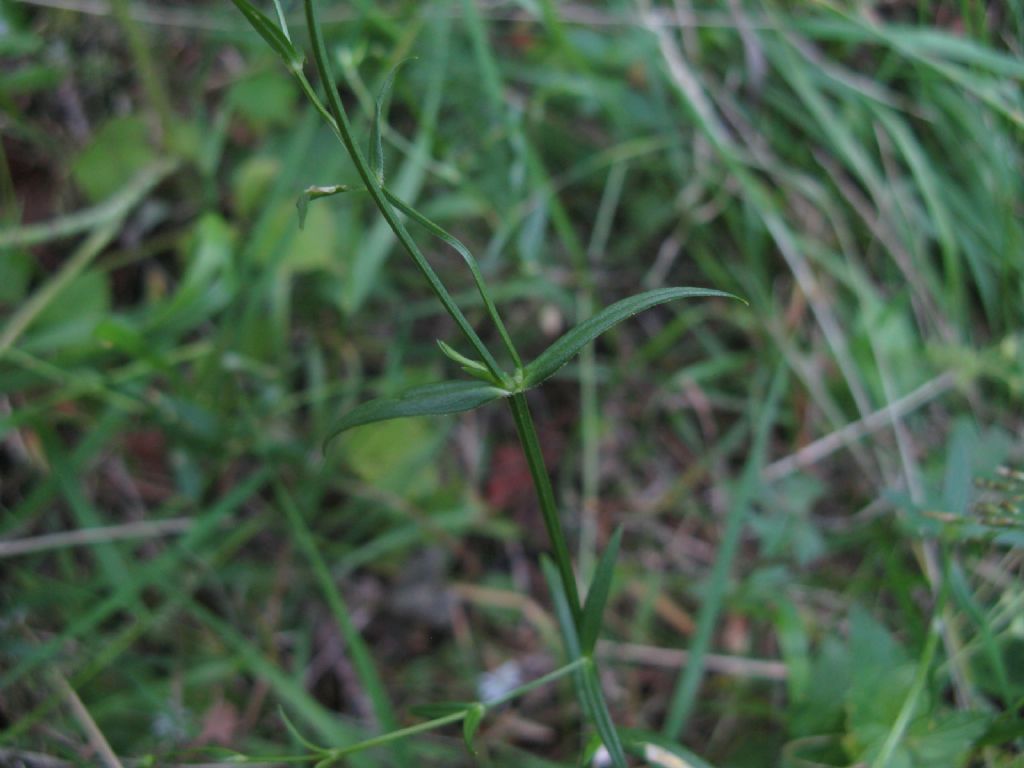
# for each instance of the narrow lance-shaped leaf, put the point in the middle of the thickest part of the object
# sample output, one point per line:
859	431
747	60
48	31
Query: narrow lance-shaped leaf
309	194
377	128
441	709
471	262
474	716
429	400
563	614
591	687
597	596
270	32
563	350
473	367
282	20
586	679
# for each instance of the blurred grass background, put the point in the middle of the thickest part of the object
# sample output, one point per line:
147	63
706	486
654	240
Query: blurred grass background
822	558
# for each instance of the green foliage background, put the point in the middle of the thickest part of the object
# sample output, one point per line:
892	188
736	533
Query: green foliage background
817	491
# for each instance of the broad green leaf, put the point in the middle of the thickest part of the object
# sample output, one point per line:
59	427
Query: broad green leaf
474	716
563	350
72	320
15	275
264	100
597	596
117	152
270	32
252	182
395	456
430	400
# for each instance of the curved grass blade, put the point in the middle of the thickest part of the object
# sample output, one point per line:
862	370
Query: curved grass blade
563	350
297	735
271	33
474	268
429	400
597	596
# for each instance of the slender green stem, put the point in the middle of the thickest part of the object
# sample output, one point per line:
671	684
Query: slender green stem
550	677
373	186
141	48
546	497
362	660
430	725
899	727
685	695
113	208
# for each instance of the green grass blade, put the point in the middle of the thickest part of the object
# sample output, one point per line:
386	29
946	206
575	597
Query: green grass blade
362	660
597	596
563	350
685	693
431	400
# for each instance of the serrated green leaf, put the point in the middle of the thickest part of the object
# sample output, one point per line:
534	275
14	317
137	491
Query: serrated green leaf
271	33
430	400
597	595
376	145
474	716
563	350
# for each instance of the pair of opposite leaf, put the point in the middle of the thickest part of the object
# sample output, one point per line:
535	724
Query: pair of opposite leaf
454	396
